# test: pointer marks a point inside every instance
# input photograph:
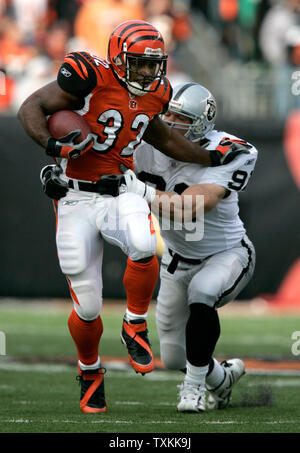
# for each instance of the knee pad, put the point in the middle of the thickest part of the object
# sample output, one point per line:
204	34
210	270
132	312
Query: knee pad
202	291
129	226
172	340
87	299
141	242
140	233
72	253
173	356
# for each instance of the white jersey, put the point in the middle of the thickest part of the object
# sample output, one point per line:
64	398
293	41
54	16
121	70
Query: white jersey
223	228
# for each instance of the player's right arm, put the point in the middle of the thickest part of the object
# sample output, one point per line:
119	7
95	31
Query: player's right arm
76	78
43	102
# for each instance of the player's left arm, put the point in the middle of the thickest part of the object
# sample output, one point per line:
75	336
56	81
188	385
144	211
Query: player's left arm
182	207
216	183
190	204
173	144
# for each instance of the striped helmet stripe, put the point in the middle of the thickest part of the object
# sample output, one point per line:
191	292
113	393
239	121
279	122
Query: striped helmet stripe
137	26
145	38
132	33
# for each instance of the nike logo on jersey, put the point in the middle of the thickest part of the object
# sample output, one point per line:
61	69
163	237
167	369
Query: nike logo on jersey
249	162
69	203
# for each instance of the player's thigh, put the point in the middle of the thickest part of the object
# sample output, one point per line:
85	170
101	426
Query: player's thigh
172	313
77	239
171	309
223	276
128	225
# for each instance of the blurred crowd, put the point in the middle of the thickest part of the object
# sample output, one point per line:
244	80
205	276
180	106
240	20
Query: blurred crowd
261	30
263	35
36	34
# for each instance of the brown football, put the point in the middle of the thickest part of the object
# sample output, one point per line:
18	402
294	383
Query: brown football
63	122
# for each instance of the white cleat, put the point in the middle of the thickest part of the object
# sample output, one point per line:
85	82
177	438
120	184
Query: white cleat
192	398
219	397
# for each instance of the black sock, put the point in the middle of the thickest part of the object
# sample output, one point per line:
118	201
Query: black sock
202	334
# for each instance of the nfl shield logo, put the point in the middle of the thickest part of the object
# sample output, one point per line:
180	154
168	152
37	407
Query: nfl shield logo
132	104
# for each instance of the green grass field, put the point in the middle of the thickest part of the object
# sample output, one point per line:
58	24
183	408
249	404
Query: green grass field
39	392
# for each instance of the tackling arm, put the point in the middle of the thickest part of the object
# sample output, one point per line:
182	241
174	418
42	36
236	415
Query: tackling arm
189	204
184	207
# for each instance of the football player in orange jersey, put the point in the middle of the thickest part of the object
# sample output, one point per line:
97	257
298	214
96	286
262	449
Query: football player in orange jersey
121	98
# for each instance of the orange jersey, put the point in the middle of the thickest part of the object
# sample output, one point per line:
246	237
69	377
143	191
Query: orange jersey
118	118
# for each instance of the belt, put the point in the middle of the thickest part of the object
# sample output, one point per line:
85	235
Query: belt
107	185
176	258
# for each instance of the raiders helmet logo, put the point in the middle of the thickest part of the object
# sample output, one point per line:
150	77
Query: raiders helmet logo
212	108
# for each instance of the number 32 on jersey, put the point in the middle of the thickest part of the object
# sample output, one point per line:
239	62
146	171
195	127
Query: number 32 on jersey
113	121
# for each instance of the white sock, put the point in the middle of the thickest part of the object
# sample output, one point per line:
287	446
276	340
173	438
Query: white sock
93	366
129	316
195	374
216	376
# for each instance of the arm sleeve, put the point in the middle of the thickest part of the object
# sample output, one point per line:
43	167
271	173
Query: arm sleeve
77	75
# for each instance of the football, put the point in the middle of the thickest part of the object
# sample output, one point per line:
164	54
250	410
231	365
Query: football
63	122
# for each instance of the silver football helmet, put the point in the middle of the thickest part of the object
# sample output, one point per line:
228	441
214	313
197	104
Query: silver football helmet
197	103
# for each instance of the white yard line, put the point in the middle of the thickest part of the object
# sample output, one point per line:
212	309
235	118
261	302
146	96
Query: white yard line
153	422
115	367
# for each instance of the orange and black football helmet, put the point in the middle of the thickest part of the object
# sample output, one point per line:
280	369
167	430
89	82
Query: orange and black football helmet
133	45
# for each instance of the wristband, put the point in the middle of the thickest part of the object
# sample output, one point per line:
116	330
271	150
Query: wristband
51	149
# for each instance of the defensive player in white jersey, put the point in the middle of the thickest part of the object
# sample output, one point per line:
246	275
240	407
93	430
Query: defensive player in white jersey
198	275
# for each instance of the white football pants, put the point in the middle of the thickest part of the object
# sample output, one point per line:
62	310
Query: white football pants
215	282
83	220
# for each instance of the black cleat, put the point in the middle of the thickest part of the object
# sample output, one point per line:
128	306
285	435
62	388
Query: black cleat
135	337
92	399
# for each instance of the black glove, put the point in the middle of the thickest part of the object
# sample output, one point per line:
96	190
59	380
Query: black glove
66	147
229	152
53	186
112	185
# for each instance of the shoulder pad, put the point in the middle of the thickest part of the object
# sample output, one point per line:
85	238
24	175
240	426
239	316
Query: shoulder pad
80	73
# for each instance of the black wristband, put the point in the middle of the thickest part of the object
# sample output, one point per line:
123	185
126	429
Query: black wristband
215	158
51	149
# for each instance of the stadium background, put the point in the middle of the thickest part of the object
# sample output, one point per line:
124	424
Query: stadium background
245	51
